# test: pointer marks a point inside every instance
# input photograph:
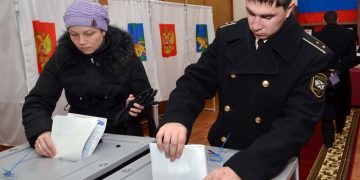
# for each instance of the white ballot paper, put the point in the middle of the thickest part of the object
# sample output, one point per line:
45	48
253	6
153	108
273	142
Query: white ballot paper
75	136
190	166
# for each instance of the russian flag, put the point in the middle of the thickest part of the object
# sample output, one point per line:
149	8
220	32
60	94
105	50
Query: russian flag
311	12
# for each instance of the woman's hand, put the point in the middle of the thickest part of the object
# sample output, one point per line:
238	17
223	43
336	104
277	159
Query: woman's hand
44	145
136	108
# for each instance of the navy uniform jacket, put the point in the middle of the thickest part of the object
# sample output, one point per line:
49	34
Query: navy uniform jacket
270	98
342	42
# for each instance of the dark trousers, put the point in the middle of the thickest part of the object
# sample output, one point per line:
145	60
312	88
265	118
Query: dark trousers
328	132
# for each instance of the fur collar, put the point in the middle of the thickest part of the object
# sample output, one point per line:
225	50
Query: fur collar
113	55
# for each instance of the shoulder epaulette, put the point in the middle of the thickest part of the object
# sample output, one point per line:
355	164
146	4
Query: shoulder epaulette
228	24
316	43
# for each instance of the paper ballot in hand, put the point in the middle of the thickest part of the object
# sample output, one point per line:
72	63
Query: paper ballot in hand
190	166
75	136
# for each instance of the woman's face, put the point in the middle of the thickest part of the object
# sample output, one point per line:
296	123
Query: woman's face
86	39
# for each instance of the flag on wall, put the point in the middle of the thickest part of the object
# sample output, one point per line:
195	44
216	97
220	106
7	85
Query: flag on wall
202	40
169	66
200	30
135	17
312	12
137	32
41	12
45	19
168	40
45	42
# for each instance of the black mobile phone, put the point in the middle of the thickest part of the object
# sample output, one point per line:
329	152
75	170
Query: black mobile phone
144	98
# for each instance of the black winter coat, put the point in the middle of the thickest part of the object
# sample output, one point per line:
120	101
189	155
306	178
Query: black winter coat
96	85
270	98
343	43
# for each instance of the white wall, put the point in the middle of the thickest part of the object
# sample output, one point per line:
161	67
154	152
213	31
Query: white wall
238	9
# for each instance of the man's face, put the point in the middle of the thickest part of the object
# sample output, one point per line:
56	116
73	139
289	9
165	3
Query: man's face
264	19
86	39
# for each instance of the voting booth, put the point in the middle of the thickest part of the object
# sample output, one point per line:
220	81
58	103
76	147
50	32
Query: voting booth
117	157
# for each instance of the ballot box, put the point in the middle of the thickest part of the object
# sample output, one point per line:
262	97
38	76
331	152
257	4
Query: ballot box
141	168
113	152
355	86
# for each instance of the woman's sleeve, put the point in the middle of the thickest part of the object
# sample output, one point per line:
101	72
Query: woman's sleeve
41	101
138	78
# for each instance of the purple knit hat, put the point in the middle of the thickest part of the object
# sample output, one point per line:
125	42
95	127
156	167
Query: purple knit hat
85	13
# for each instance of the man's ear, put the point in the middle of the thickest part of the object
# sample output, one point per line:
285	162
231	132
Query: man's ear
290	8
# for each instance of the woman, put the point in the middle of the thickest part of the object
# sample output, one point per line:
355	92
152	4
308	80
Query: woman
96	66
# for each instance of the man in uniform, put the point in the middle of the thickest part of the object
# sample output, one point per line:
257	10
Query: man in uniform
267	72
342	42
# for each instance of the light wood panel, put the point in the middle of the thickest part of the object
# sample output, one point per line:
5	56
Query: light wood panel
176	1
104	2
196	2
222	11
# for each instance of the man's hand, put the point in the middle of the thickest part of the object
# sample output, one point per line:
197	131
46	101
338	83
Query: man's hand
44	145
171	139
136	109
224	173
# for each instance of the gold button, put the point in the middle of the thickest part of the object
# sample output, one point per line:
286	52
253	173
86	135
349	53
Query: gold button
223	139
233	75
258	120
265	83
227	108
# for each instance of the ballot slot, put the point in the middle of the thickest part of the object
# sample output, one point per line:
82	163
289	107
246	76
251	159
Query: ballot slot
114	151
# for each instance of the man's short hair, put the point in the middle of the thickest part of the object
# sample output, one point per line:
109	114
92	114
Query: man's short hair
278	3
330	17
